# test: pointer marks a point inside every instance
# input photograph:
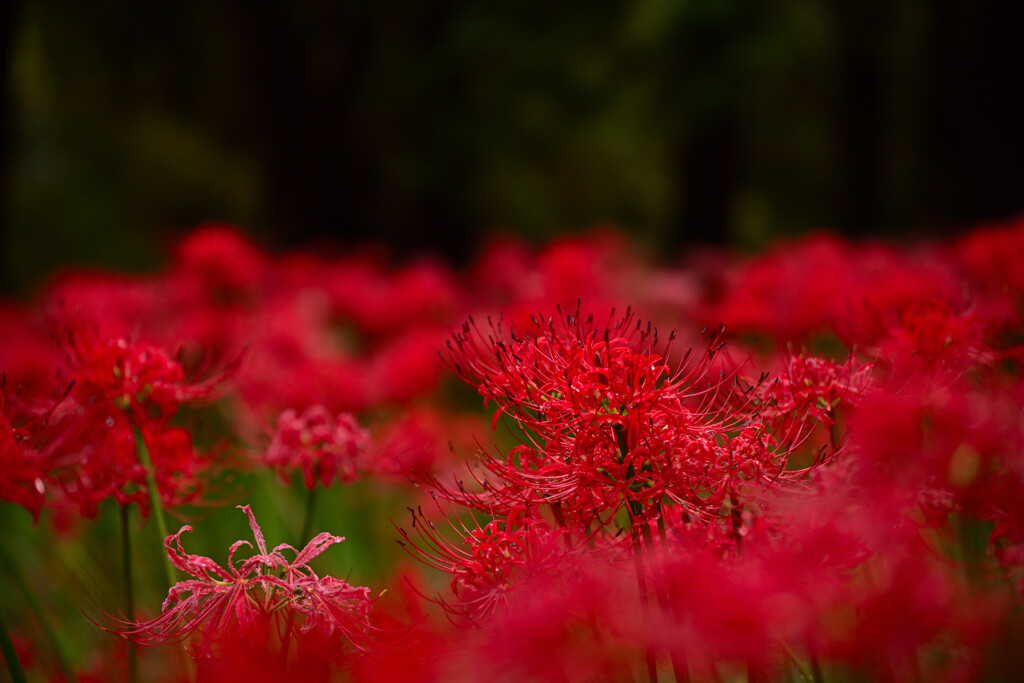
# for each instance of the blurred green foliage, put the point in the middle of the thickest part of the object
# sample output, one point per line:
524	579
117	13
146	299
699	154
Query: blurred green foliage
427	125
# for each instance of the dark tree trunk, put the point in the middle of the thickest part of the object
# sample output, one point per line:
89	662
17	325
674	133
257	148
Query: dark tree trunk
974	145
709	169
9	15
860	32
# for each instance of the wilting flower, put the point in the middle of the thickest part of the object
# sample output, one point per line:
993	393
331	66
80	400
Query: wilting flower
245	597
324	447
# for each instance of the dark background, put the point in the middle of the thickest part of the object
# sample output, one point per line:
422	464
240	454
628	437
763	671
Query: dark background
432	125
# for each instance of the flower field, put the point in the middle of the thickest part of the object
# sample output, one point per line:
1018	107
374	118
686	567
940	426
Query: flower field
571	462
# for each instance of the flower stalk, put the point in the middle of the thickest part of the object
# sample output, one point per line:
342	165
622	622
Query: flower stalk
22	586
635	510
129	591
307	520
680	668
11	657
156	509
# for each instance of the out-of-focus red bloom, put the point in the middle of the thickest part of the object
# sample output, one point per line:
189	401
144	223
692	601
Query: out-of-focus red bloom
298	360
225	261
992	256
789	291
422	441
21	470
582	626
933	336
140	379
821	283
324	447
406	366
121	392
379	302
239	600
26	356
117	305
600	267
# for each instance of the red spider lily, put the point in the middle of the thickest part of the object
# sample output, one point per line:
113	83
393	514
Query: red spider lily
25	468
228	265
142	380
243	598
599	266
89	464
811	389
422	440
491	560
22	478
933	335
121	392
992	255
801	288
611	424
325	448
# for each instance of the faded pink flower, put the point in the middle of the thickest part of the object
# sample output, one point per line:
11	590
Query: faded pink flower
243	598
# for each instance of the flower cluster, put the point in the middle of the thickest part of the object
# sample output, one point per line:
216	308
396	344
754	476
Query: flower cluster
611	425
829	489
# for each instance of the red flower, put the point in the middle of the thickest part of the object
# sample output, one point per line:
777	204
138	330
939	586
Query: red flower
811	389
491	560
140	379
933	335
120	392
21	472
94	456
243	598
611	424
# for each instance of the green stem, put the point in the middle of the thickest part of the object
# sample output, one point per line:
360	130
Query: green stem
816	669
307	520
129	593
680	667
635	510
286	643
833	432
736	517
59	652
154	499
13	665
556	512
800	667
